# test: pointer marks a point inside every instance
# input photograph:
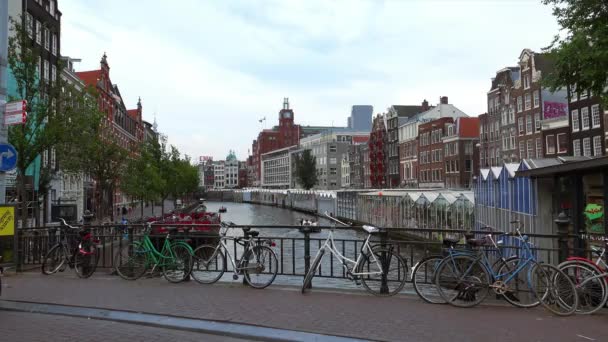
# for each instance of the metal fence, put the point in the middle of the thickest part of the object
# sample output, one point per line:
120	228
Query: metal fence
294	250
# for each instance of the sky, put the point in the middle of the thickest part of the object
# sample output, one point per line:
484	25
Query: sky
209	70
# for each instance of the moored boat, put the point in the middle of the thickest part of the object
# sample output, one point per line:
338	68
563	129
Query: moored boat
313	226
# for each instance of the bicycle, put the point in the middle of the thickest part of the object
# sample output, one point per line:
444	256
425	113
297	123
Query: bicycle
174	259
464	279
372	267
590	278
83	257
258	263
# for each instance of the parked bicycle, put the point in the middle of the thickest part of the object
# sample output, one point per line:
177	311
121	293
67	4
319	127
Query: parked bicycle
464	280
381	271
174	259
591	279
258	263
82	255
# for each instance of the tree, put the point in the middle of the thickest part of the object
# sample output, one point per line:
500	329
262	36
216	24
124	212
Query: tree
306	170
142	179
49	122
581	54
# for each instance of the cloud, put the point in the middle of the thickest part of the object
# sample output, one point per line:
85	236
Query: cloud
209	70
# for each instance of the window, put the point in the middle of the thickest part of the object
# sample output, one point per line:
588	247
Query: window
29	25
39	68
333	161
511	115
526	81
512	138
522	150
47	39
52	7
528	124
333	148
562	143
38	29
583	95
539	148
520	123
537	122
573	95
536	99
530	152
595	116
467	165
597	145
528	102
53	73
587	147
550	144
54	44
576	147
585	117
46	70
333	171
507	97
575	122
519	104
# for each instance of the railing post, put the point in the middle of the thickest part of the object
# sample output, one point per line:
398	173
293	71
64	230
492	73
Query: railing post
306	230
246	236
16	254
385	263
563	224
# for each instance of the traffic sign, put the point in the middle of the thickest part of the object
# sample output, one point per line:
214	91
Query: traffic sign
8	157
15	113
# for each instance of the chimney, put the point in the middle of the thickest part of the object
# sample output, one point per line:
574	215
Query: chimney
425	105
443	100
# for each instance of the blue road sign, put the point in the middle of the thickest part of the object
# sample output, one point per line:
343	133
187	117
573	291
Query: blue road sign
8	157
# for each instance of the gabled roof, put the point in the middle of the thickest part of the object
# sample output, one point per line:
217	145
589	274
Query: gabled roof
407	111
89	78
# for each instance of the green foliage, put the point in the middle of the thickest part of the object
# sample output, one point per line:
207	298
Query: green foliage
581	53
306	170
141	179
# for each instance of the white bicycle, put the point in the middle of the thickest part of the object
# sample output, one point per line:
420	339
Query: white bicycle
381	271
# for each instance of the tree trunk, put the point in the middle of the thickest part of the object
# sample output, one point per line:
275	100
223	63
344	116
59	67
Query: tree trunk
142	209
162	206
21	195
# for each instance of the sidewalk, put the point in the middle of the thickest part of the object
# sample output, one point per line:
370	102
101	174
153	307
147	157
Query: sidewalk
358	315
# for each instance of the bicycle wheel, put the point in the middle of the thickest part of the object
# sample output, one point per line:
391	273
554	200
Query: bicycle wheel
462	281
518	292
54	259
177	265
394	270
85	259
208	264
131	261
554	289
423	279
312	270
260	266
592	294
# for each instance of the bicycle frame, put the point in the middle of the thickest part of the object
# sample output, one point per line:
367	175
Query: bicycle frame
248	246
330	245
159	258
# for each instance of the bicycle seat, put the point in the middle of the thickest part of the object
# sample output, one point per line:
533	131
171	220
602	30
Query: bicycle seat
171	230
450	242
371	229
253	233
477	242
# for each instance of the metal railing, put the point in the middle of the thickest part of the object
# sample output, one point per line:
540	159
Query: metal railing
294	249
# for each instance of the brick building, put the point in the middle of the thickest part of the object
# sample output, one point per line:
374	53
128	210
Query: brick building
587	129
378	158
430	152
355	159
121	125
460	153
395	117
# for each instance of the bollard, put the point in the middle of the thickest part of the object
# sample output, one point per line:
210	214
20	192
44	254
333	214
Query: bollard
306	230
563	224
385	262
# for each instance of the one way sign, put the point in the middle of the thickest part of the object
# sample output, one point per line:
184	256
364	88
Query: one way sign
8	157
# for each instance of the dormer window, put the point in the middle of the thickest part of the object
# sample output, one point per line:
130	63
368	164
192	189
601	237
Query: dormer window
526	81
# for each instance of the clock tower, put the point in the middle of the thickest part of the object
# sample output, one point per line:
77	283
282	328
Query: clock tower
286	114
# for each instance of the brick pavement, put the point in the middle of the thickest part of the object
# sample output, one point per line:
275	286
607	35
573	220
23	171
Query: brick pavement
401	318
33	327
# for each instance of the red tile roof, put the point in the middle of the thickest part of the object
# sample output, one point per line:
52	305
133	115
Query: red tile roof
132	113
468	127
90	78
360	139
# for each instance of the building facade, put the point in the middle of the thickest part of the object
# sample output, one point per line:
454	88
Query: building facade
586	127
378	157
460	153
430	152
366	166
360	118
277	168
355	159
396	116
345	172
218	174
231	171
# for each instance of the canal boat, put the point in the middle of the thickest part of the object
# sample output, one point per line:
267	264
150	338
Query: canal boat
192	221
313	225
222	209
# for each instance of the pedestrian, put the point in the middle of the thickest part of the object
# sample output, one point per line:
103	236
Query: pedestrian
124	211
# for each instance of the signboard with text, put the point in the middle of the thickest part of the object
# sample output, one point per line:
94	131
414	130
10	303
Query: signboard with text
15	113
205	158
7	220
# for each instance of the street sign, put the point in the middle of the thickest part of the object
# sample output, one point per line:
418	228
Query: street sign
8	157
7	220
15	113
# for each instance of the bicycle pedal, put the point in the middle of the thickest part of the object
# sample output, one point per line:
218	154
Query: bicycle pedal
235	277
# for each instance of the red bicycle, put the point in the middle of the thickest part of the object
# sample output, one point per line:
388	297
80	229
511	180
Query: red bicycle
591	279
82	257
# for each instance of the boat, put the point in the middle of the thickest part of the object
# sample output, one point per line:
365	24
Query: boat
313	225
196	219
222	209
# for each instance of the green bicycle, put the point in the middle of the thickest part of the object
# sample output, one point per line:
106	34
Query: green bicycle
174	259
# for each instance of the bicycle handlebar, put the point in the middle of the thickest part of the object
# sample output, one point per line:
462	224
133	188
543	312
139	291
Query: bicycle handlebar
64	224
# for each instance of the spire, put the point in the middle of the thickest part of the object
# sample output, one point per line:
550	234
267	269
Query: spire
104	61
139	103
155	125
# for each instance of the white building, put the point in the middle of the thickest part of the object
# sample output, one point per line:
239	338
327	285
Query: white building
276	168
345	166
231	171
218	174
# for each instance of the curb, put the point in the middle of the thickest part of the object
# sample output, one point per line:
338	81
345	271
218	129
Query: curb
219	328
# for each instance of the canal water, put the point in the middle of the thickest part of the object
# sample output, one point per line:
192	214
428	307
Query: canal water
290	244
